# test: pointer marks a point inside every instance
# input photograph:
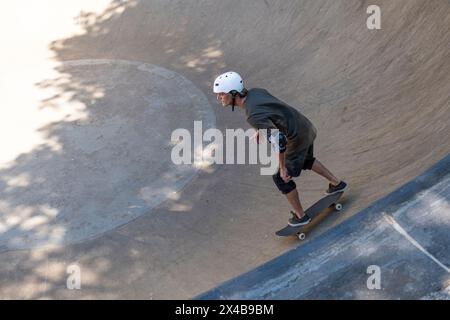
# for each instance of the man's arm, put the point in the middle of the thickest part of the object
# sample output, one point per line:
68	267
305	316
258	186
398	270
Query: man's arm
261	124
281	161
281	141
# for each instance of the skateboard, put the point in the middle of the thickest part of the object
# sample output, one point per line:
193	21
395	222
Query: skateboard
312	212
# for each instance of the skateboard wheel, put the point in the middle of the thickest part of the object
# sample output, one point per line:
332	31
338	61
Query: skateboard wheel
338	206
302	236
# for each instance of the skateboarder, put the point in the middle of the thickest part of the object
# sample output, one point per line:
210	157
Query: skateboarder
295	138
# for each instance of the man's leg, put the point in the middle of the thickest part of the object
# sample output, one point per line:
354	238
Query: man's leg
290	190
320	169
294	200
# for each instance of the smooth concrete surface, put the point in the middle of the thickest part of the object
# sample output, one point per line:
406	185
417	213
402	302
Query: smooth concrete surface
109	171
404	235
379	99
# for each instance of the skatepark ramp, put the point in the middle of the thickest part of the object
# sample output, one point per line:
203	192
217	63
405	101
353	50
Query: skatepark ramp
404	236
93	90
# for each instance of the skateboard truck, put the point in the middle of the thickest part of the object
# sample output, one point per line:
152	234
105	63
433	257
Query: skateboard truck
302	236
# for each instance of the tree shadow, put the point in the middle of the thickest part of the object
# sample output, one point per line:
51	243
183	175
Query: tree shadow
87	175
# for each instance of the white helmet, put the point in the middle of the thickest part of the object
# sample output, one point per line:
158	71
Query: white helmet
227	82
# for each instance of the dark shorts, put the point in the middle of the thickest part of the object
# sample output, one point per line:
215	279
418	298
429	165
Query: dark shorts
303	161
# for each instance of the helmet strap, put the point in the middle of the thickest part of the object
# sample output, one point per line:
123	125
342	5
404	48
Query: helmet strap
233	94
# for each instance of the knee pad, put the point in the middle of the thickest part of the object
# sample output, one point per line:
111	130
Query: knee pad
284	187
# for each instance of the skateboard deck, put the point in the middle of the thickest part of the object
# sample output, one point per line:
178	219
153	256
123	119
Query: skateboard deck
312	212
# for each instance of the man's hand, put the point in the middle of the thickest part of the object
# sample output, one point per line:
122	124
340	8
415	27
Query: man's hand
284	175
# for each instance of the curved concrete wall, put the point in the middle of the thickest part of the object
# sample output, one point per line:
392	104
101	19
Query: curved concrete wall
403	237
379	98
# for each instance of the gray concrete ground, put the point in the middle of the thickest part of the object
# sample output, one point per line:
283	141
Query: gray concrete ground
404	236
81	191
92	90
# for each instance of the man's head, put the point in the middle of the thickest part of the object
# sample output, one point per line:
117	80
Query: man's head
228	87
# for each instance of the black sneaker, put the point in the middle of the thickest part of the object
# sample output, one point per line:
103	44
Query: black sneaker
341	187
296	222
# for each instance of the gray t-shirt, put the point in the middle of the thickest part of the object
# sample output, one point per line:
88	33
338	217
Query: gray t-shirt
264	111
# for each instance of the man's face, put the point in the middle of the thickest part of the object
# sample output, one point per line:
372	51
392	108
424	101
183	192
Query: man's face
225	98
